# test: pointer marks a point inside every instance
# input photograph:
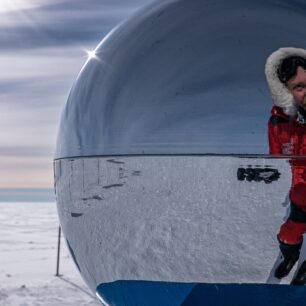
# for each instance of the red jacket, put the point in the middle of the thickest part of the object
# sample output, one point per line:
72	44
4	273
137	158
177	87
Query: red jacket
288	137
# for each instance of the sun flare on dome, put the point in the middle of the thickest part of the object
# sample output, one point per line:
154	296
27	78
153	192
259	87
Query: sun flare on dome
91	54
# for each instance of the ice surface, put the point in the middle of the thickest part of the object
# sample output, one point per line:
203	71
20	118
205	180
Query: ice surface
28	249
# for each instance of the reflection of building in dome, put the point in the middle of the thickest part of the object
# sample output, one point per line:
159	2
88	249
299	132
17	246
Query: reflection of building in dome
183	78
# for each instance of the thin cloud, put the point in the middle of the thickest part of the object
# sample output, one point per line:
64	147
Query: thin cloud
33	151
63	23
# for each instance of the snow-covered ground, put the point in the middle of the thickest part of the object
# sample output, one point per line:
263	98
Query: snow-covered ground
28	251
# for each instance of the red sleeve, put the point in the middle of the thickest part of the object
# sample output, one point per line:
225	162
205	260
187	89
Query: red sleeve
275	145
278	130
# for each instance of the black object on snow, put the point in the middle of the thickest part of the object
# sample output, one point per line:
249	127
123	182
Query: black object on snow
258	174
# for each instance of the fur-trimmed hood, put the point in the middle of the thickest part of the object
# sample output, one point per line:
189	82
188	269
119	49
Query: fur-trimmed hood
280	94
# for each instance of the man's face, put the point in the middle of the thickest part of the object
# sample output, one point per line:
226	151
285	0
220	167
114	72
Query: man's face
297	87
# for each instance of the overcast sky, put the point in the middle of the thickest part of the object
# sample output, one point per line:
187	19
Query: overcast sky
43	46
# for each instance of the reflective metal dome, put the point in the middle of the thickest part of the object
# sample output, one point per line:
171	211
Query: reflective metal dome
184	78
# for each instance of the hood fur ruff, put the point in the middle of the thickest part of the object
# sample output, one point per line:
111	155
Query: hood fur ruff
280	94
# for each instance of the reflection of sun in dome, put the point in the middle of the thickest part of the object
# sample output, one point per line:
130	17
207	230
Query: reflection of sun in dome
91	54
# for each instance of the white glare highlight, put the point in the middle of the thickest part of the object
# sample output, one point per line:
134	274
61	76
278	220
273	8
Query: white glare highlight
91	54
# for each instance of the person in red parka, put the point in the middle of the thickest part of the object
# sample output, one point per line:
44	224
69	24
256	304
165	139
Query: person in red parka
286	76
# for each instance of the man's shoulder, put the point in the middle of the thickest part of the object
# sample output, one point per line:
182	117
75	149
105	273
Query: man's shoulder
278	116
275	120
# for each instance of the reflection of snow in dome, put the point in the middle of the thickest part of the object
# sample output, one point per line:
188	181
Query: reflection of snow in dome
181	77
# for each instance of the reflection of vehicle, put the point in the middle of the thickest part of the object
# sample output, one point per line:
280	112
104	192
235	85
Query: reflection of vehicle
258	174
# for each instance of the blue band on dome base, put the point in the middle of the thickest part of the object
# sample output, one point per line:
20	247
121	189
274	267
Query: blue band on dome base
150	293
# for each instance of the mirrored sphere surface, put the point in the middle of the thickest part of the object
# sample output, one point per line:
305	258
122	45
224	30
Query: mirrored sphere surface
181	77
154	207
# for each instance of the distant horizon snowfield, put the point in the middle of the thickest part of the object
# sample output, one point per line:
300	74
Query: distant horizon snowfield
28	251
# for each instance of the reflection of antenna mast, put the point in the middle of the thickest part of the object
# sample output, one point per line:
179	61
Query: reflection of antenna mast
58	251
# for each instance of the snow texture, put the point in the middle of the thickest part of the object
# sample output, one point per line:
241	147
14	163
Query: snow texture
28	250
171	218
